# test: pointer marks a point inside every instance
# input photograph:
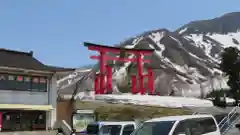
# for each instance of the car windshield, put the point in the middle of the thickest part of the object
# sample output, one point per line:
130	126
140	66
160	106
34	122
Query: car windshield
92	128
154	128
110	130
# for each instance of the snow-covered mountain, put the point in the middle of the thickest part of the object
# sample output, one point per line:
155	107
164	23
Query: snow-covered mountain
185	61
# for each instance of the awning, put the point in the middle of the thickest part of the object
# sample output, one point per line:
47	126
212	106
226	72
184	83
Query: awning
26	107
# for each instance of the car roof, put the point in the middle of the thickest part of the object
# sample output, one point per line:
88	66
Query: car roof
114	122
179	118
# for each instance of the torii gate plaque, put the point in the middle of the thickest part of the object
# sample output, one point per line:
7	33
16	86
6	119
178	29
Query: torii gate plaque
106	71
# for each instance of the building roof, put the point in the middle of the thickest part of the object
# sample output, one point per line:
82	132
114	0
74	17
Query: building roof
61	69
23	60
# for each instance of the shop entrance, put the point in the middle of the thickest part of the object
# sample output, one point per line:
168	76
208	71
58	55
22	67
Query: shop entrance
19	120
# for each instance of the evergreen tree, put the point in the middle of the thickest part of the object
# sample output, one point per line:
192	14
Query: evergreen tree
230	65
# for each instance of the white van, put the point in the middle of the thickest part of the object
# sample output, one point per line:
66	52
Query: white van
111	128
179	125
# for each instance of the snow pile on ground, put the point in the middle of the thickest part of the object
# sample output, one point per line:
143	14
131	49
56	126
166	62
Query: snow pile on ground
149	100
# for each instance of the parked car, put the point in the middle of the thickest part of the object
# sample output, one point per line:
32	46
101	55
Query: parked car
111	128
179	125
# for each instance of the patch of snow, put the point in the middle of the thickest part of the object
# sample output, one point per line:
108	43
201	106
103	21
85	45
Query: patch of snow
156	37
73	75
72	78
119	74
148	100
188	39
196	75
205	46
134	43
151	46
183	30
226	39
162	101
179	68
181	78
137	40
176	40
195	56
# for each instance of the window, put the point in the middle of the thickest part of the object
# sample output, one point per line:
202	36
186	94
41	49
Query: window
38	120
23	120
182	128
208	125
110	130
128	129
23	83
154	128
43	84
39	84
14	82
3	82
196	126
92	129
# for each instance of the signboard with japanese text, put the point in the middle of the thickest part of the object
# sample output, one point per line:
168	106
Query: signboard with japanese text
23	83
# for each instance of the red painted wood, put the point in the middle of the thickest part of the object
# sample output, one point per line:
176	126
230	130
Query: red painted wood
109	79
119	59
140	74
134	84
117	50
102	72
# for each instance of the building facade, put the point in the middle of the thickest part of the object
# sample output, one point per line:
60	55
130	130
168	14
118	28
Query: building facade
28	92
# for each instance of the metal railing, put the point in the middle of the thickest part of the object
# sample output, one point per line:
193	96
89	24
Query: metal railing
228	121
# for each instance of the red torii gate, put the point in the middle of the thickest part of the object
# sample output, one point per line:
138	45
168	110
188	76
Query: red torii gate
106	71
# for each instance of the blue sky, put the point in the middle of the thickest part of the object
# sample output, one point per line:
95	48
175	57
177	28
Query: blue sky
55	29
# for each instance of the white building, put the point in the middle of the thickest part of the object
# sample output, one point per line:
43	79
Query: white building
28	92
